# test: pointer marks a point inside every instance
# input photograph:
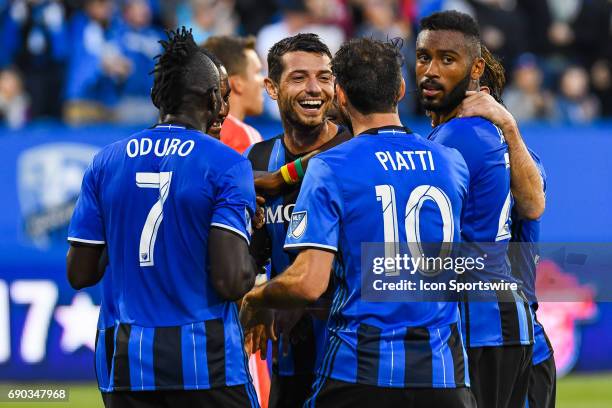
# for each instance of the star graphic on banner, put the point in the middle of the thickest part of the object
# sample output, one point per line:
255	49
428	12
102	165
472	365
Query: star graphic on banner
79	321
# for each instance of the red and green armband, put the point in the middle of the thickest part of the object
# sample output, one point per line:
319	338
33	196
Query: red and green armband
293	172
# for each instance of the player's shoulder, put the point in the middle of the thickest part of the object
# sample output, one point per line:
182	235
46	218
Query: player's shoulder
259	153
478	128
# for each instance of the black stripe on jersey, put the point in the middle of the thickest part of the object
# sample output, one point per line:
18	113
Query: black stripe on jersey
96	354
109	348
167	357
419	358
121	376
368	354
466	317
304	350
215	352
260	153
508	317
456	348
528	315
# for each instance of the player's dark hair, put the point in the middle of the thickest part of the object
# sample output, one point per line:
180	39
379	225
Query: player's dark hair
453	20
301	42
213	58
181	69
231	51
494	76
369	72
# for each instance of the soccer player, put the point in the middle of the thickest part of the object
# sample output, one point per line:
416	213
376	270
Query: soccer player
238	55
524	252
214	130
377	354
171	206
498	327
301	81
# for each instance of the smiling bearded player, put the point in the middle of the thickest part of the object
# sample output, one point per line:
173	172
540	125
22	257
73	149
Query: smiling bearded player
301	81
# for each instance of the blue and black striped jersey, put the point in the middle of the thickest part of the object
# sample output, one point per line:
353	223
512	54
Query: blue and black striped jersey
503	317
152	199
347	194
524	256
270	155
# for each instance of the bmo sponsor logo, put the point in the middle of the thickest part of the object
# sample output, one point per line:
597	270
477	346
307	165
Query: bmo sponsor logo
279	214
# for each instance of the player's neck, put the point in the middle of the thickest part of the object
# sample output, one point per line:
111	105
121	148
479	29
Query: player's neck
438	118
361	123
300	140
185	119
236	108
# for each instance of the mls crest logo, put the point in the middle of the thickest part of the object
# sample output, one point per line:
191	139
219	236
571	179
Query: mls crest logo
299	220
49	180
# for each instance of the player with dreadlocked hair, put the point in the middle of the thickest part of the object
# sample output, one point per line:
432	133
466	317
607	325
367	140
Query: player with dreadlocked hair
523	250
172	206
185	80
494	77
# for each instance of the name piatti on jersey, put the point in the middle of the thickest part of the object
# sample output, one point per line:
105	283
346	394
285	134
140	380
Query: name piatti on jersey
160	148
406	160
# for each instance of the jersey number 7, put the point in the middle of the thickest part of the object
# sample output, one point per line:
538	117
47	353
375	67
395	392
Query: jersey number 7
160	181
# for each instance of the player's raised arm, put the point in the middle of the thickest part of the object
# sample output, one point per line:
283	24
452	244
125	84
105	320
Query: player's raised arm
526	182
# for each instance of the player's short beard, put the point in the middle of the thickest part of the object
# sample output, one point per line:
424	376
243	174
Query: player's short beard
451	100
290	118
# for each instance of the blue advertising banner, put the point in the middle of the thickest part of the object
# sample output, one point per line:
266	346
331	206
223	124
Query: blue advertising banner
47	330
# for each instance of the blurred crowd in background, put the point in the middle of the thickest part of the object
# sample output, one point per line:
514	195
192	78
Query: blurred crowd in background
87	61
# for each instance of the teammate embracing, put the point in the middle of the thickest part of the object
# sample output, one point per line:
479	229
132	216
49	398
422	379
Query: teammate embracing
301	81
172	207
498	326
377	354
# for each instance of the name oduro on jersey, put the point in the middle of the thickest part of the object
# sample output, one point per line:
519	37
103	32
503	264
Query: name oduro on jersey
144	146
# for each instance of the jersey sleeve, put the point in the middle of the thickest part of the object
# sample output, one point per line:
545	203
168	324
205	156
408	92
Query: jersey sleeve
315	221
87	225
235	200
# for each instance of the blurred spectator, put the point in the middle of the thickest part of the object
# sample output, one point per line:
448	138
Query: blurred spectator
34	39
381	22
208	17
501	27
13	99
254	14
576	104
137	41
298	18
526	98
567	31
246	83
601	78
95	63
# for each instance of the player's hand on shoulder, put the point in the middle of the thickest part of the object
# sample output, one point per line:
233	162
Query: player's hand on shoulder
484	105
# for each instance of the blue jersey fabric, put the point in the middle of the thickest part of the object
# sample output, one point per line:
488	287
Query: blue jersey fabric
386	344
496	318
301	357
152	199
524	256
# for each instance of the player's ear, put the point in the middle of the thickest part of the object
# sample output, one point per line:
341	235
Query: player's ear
402	90
236	83
271	88
340	96
478	69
